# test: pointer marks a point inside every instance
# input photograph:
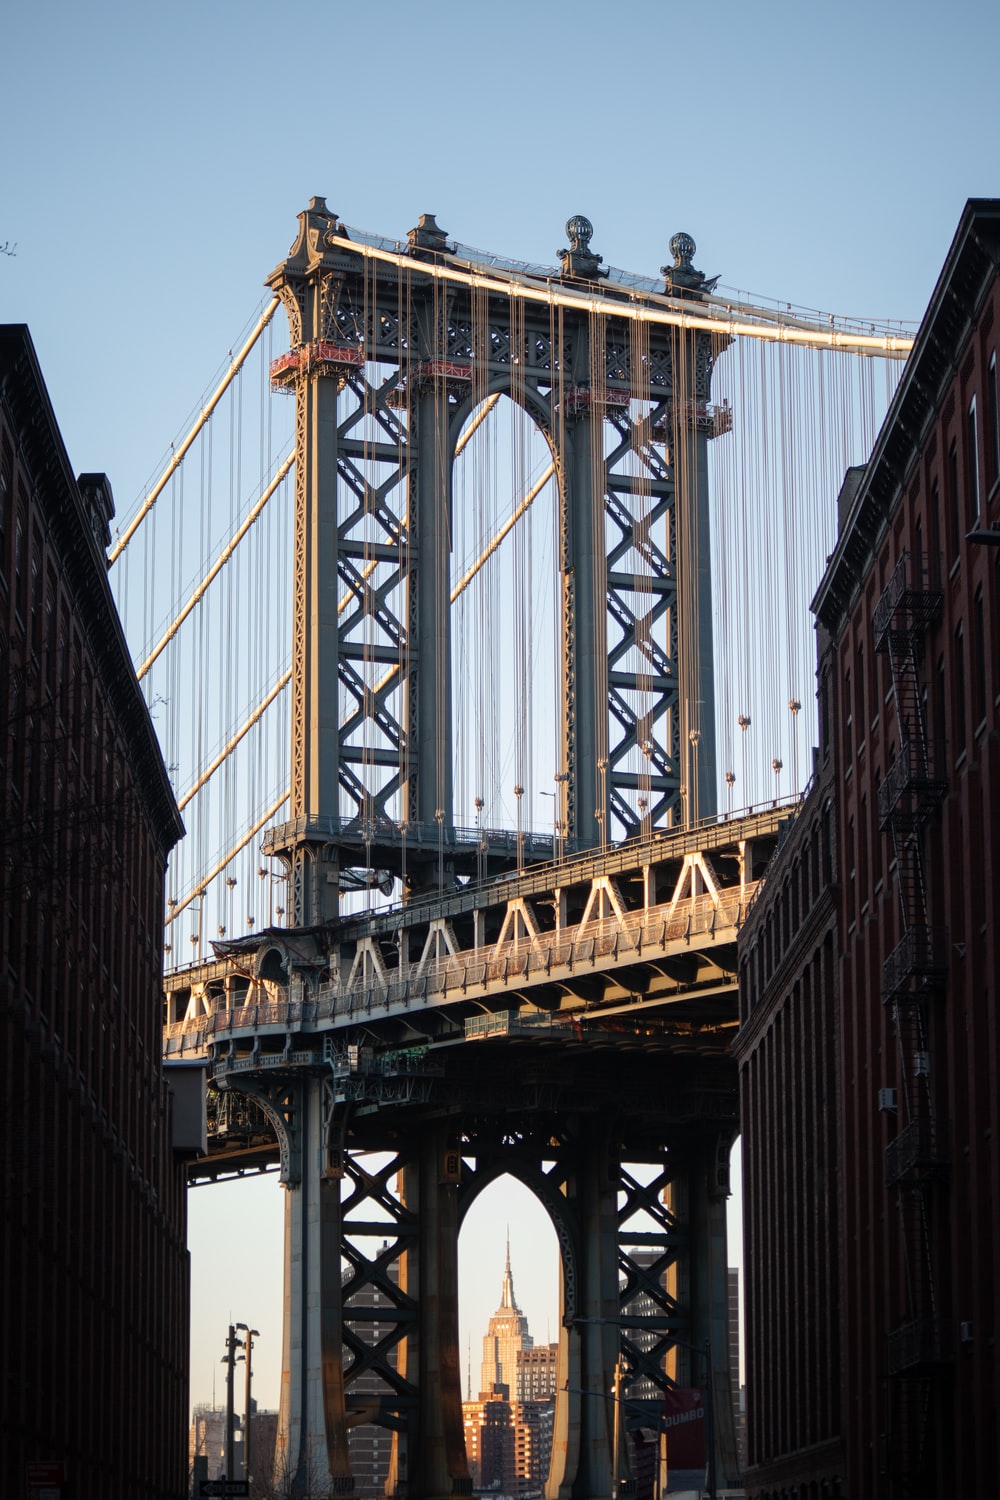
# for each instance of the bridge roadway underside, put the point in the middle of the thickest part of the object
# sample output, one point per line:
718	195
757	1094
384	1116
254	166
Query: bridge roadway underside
569	1027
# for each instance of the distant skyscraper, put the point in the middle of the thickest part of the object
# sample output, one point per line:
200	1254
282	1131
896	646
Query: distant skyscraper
507	1335
508	1431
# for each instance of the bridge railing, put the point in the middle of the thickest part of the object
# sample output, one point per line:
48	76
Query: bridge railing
454	975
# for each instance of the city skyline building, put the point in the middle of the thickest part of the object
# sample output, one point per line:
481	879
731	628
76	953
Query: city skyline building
536	1372
506	1336
508	1430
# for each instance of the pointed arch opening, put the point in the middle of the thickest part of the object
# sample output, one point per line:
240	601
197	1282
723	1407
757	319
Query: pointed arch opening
510	1268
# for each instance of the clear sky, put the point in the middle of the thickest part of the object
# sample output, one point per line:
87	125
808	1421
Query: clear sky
156	156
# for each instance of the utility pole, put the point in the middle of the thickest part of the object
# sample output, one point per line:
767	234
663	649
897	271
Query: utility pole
710	1418
229	1359
251	1334
616	1445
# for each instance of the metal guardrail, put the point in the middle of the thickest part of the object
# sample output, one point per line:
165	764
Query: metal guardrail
917	769
415	834
445	980
922	1149
718	831
908	593
921	954
919	1346
505	1023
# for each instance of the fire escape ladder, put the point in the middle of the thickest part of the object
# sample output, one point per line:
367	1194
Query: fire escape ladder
909	1405
913	977
914	784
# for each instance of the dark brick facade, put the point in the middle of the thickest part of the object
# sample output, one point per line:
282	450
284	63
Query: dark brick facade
93	1260
788	1053
909	766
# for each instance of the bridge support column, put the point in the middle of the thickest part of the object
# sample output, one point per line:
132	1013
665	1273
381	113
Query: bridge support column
694	599
435	1466
583	1434
585	654
698	1196
311	1457
429	795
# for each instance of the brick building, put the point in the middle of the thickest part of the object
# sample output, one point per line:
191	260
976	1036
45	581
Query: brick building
787	1050
93	1260
869	1049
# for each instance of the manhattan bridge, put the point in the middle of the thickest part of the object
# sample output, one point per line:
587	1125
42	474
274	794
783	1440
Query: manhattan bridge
473	618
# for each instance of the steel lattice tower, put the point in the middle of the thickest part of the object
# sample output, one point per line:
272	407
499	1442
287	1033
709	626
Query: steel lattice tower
390	356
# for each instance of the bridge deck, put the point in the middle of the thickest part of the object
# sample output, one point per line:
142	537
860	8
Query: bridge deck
623	959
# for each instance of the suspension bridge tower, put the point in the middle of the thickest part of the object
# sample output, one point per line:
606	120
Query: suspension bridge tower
394	349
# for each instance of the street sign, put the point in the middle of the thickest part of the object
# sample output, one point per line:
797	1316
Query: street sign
224	1487
46	1479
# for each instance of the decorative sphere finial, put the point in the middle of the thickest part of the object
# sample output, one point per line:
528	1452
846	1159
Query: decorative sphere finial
681	279
682	248
580	232
579	260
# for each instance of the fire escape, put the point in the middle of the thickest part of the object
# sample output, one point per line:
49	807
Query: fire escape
914	977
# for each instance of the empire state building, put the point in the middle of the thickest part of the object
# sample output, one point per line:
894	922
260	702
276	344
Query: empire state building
508	1333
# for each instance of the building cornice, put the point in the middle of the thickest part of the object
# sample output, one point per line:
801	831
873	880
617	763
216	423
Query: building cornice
26	399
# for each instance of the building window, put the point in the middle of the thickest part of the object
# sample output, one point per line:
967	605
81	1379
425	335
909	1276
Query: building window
859	695
959	690
954	504
979	624
4	504
934	560
972	461
36	606
19	568
920	562
993	445
848	720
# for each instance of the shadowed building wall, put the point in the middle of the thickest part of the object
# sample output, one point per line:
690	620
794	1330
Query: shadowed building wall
870	1059
93	1261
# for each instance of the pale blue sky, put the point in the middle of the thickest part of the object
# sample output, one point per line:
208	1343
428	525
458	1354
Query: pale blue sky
156	156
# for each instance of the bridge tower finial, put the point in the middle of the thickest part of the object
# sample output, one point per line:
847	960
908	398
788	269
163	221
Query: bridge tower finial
579	260
681	279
